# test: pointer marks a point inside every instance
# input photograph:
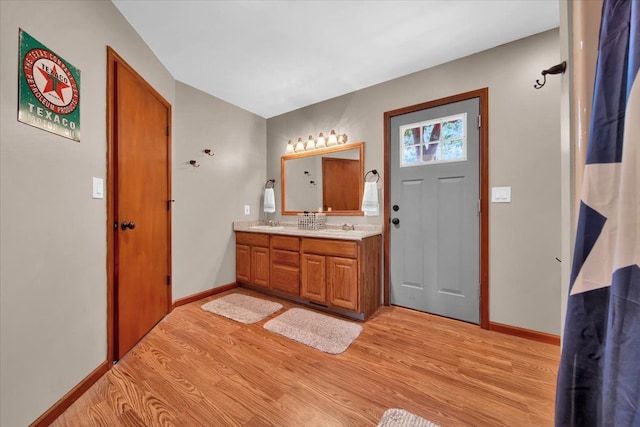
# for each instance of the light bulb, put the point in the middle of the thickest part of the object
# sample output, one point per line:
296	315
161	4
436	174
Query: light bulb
333	138
321	141
299	146
290	147
311	144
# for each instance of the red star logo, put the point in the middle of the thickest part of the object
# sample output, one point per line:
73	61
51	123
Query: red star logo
53	84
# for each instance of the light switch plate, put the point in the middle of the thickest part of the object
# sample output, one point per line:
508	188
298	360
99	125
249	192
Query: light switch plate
247	209
98	188
501	194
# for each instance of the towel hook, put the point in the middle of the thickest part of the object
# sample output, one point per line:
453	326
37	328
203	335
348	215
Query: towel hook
194	163
373	172
556	69
208	151
270	181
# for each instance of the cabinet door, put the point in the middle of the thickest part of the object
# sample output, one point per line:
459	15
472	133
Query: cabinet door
260	266
314	284
342	282
243	264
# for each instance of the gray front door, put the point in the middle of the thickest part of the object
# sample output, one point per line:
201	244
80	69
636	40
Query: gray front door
435	193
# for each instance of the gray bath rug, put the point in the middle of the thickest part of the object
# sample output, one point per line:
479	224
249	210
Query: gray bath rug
316	330
242	308
402	418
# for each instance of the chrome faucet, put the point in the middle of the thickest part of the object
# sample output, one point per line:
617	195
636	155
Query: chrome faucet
273	223
348	227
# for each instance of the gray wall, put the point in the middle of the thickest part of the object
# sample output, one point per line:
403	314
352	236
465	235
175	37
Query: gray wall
524	153
209	198
53	245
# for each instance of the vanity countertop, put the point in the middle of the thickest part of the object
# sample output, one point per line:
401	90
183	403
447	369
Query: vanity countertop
333	231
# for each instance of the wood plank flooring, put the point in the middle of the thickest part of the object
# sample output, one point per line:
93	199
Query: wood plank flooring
199	369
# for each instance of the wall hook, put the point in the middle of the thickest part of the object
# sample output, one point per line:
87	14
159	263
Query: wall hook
194	163
556	69
208	151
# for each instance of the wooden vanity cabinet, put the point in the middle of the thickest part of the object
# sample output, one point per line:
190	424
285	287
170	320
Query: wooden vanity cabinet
252	259
285	265
343	275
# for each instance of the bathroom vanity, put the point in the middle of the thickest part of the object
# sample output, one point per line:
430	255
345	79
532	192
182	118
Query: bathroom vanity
335	269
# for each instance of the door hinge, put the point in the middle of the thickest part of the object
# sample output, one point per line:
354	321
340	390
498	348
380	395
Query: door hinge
167	130
168	280
169	204
479	206
479	121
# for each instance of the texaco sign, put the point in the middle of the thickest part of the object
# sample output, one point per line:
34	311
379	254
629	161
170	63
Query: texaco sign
48	90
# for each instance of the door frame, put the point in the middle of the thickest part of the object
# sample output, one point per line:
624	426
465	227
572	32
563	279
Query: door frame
112	59
483	95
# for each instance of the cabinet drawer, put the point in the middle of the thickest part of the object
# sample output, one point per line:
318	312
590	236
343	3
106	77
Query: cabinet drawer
285	257
340	248
285	242
253	239
285	279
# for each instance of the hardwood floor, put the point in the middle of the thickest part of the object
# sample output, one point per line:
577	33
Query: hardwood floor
198	369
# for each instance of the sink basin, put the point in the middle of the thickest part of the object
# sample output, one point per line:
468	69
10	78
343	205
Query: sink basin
266	227
334	231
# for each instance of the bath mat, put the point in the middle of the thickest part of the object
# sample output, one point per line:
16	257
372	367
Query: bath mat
402	418
316	330
242	308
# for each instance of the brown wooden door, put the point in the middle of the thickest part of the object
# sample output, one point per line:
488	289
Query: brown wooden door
341	184
142	191
342	282
314	283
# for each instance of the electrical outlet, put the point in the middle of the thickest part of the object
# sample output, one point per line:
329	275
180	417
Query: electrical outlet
247	210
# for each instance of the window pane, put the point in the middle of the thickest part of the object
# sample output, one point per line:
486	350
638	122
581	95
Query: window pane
453	129
411	136
411	155
452	150
430	152
431	132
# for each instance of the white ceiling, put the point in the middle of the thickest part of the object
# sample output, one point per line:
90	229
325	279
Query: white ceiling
271	57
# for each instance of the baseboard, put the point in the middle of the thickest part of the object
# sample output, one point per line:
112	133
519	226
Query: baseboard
67	400
525	333
200	295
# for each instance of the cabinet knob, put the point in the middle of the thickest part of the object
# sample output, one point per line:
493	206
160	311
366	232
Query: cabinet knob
395	221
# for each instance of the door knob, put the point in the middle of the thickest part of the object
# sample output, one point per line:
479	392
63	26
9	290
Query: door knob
396	208
130	225
395	221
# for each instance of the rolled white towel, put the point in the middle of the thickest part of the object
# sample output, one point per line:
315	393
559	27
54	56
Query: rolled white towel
269	200
370	205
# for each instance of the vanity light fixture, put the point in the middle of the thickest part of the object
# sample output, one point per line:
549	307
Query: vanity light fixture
321	141
299	146
290	147
311	144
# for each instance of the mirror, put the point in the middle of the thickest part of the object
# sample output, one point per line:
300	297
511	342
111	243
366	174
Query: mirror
331	178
